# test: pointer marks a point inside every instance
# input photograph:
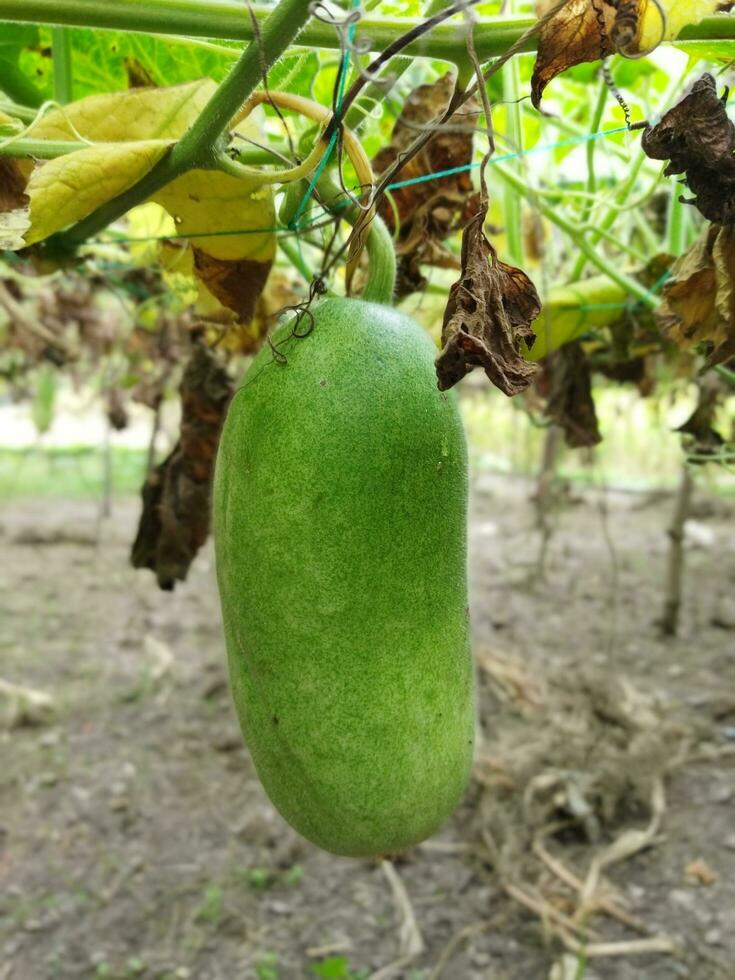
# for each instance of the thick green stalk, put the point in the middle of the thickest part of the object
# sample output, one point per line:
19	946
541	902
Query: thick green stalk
231	19
197	147
50	149
41	149
61	52
22	112
381	254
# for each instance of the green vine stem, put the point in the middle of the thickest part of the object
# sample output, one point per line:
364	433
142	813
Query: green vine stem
596	123
199	145
231	19
50	149
23	112
513	215
61	53
381	254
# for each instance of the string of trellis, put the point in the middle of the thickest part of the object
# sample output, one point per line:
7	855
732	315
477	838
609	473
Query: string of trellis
294	229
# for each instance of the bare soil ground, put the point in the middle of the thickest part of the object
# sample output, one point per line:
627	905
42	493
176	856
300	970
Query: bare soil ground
135	840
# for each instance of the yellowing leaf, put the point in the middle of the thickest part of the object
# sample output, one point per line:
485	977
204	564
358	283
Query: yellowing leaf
136	114
69	188
679	14
205	201
230	225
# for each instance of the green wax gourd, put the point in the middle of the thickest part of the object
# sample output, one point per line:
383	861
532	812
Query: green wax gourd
340	502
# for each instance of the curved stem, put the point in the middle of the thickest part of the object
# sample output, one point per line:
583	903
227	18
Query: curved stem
236	169
321	114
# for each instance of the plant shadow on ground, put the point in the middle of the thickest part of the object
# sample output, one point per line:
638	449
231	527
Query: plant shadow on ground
137	841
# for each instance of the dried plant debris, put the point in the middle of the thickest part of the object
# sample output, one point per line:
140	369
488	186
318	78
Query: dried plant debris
698	139
488	315
174	523
423	214
570	403
587	753
573	777
699	299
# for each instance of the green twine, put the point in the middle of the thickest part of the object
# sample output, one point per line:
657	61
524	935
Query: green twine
294	223
293	227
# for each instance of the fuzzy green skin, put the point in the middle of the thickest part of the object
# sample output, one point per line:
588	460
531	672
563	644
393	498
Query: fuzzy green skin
340	532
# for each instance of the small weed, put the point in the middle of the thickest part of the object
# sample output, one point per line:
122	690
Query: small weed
267	967
294	875
261	878
258	878
211	908
337	968
581	966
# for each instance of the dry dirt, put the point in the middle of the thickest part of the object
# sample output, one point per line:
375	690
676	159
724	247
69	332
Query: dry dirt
135	840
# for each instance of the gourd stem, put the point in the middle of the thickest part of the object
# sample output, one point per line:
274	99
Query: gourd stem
379	244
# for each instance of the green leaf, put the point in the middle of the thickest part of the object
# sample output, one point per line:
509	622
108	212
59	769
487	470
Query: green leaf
99	59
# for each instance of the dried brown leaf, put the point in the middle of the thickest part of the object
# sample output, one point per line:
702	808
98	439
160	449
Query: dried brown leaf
174	523
699	301
138	75
571	37
424	214
237	284
489	314
698	139
570	403
12	186
704	440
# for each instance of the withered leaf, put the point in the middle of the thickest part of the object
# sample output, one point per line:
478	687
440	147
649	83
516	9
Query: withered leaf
236	283
116	409
704	439
174	523
570	37
489	313
698	139
570	402
12	186
424	214
138	75
699	299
